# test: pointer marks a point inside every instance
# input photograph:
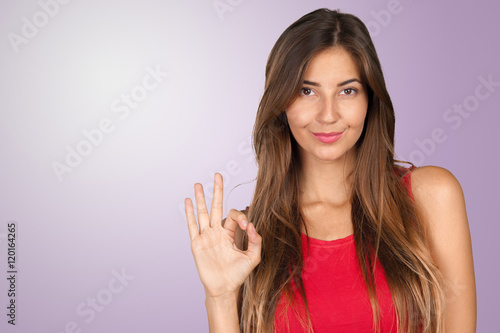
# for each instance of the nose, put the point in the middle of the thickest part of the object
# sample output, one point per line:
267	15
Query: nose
328	112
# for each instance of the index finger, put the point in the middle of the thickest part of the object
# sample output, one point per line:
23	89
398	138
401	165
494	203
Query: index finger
234	218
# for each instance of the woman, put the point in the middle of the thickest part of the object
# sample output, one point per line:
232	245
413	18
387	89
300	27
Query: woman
340	238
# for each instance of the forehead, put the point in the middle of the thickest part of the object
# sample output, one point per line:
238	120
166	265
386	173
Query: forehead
334	64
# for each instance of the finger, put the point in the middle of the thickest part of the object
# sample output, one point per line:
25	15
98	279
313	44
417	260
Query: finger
236	217
254	243
201	207
216	208
191	220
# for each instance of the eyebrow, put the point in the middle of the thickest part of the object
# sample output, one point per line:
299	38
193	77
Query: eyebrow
338	85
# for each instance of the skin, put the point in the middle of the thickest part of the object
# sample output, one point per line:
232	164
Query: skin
327	107
222	266
440	204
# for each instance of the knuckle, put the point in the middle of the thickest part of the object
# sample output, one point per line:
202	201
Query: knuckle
237	213
234	211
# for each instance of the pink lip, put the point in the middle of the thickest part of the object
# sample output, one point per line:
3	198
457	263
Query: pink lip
328	137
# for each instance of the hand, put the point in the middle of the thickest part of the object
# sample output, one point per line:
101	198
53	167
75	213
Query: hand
221	265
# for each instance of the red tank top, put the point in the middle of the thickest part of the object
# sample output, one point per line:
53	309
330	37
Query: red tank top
336	292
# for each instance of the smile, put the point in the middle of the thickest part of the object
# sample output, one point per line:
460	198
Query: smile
328	137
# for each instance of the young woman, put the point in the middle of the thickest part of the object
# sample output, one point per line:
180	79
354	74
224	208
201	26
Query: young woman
338	237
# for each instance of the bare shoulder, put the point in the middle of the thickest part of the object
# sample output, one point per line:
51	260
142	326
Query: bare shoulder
438	197
434	180
436	189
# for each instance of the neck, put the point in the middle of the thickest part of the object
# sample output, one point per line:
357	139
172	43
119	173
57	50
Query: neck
326	181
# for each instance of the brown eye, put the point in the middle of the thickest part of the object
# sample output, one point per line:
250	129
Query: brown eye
306	91
349	91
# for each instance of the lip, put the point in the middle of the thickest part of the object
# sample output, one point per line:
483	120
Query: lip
328	137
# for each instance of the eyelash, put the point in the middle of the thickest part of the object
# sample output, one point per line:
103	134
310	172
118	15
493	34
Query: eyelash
348	88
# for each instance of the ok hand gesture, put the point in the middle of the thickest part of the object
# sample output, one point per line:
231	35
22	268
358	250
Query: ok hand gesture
221	265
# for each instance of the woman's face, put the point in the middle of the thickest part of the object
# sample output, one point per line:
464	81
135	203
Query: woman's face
332	100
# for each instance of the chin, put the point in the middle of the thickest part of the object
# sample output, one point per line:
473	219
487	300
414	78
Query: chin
328	157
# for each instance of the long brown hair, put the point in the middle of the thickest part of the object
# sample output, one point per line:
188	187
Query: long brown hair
385	222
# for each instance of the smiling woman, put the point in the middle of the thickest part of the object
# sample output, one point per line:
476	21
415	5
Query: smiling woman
341	238
331	107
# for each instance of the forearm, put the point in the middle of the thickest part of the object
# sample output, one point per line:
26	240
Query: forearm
222	314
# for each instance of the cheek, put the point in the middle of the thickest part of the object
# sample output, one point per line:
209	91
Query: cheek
356	117
296	118
359	120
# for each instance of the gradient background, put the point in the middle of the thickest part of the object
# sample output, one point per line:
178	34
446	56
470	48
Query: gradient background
123	206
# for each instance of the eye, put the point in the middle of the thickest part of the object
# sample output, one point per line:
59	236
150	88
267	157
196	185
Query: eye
307	91
349	91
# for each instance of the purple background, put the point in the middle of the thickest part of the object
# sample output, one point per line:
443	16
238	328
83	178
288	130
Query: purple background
122	207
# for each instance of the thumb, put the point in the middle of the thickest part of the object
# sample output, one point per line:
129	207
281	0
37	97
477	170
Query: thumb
254	243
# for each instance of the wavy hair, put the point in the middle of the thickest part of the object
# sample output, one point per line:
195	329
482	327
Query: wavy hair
386	225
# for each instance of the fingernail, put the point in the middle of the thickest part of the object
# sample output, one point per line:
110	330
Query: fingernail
244	223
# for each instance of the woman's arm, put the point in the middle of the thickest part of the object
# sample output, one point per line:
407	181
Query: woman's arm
222	314
440	204
222	266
